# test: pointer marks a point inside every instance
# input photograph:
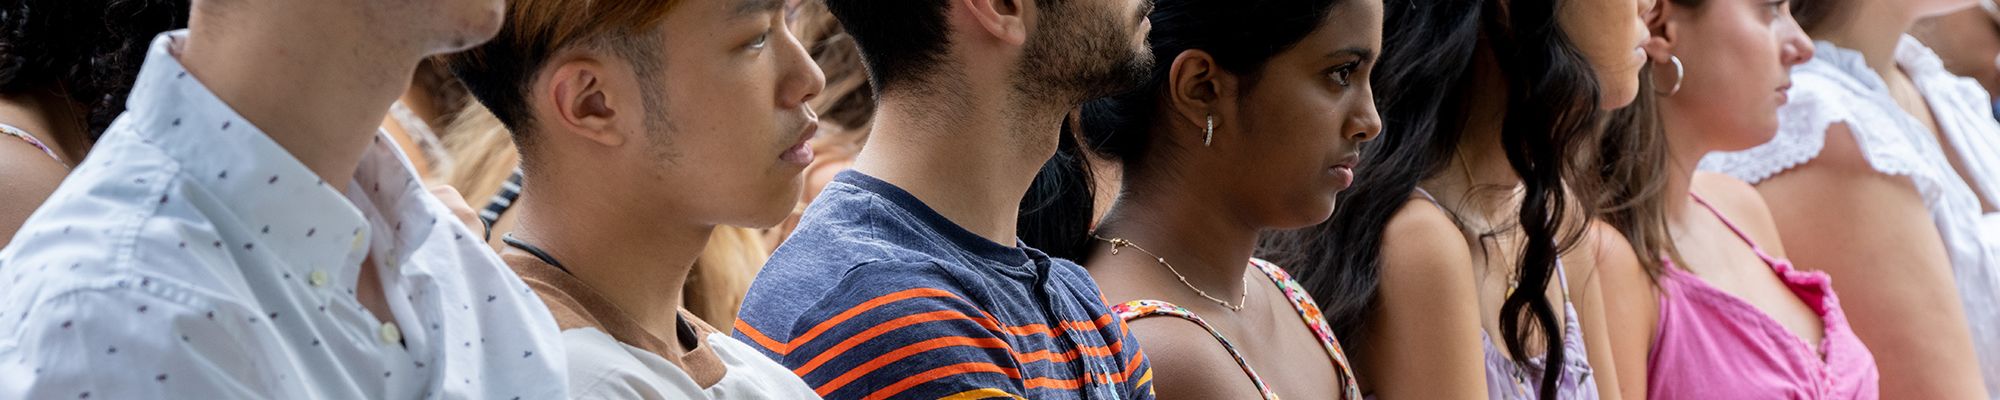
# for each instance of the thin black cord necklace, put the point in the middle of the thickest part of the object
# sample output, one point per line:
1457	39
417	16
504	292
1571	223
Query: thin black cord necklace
534	251
688	336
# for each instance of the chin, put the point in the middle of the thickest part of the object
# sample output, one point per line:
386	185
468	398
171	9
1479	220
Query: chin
481	22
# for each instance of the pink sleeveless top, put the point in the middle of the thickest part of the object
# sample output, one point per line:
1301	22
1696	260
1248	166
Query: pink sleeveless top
1714	345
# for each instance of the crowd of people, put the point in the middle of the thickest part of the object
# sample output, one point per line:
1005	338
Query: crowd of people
1012	199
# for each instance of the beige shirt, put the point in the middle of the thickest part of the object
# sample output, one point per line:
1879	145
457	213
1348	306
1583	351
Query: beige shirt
612	357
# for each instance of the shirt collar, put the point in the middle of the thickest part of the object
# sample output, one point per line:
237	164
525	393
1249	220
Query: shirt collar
284	206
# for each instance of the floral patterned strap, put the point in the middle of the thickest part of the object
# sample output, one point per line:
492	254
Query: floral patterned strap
10	130
1136	309
1310	313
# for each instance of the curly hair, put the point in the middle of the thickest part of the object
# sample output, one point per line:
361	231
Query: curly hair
87	51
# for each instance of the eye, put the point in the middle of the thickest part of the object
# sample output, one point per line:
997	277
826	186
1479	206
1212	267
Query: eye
1344	73
1776	8
761	40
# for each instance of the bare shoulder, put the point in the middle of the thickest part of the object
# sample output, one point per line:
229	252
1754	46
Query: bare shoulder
27	178
1743	205
1603	249
1187	361
1421	242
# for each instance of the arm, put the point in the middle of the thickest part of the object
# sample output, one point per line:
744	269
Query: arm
1630	317
27	177
1424	341
91	343
1873	234
1603	248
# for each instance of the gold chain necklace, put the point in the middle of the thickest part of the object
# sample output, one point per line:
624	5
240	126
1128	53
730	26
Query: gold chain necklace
1117	243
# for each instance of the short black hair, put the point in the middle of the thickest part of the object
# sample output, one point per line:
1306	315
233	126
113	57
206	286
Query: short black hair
902	41
88	50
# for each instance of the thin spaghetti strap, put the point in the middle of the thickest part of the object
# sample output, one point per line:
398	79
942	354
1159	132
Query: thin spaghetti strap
1563	275
10	130
1768	260
1434	201
1137	309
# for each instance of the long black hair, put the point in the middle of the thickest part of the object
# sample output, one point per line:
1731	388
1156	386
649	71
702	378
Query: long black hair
1241	35
1427	77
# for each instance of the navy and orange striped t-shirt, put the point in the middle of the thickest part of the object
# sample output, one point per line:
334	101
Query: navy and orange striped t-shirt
876	296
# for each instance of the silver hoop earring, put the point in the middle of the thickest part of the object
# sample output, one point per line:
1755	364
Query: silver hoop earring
1680	75
1208	135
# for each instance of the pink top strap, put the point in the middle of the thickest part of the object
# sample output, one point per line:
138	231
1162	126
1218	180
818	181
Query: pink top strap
1768	259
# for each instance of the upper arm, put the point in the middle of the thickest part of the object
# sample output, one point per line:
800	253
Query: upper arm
1424	340
875	338
1873	233
27	177
1619	310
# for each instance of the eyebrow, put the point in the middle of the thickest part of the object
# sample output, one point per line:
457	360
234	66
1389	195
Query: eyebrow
745	8
1363	53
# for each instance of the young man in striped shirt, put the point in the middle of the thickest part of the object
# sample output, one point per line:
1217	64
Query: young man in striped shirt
904	279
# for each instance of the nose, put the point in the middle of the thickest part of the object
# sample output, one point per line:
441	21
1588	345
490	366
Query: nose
802	79
1795	46
1364	124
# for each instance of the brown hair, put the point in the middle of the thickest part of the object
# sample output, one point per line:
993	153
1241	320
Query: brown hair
501	72
482	154
1631	164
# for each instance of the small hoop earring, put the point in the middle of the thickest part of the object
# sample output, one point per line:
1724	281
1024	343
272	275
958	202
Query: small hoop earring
1680	75
1208	135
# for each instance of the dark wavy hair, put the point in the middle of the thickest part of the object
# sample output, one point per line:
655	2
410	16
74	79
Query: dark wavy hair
1426	75
1240	34
87	51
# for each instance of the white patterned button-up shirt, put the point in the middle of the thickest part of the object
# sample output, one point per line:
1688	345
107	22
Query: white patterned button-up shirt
191	257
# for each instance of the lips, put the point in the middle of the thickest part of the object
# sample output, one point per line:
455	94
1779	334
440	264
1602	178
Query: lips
1344	170
801	153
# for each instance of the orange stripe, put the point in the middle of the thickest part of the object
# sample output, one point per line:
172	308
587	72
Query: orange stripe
759	338
937	373
874	332
1052	383
905	352
871	304
1045	355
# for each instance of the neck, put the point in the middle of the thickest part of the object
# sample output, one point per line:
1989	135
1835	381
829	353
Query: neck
52	118
1685	148
1208	244
1479	182
323	104
1873	28
935	143
638	264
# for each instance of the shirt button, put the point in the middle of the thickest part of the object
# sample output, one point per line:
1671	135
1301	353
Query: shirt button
391	335
318	278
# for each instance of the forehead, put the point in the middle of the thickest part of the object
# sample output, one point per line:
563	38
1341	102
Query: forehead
1352	25
728	10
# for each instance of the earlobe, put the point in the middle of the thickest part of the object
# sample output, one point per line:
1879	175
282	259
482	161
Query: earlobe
1000	19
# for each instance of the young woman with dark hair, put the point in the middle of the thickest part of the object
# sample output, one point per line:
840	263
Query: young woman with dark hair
1716	311
1251	120
65	68
1881	141
1448	267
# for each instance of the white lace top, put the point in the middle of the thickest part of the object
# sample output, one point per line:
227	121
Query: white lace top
1838	87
